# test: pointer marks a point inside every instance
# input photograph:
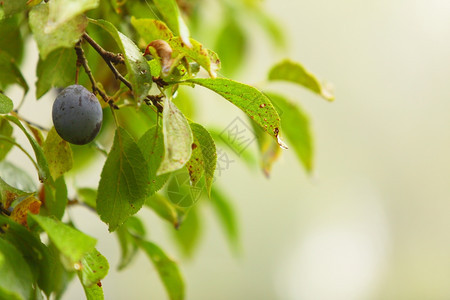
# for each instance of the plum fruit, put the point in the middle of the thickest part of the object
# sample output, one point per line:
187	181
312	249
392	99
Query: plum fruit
77	115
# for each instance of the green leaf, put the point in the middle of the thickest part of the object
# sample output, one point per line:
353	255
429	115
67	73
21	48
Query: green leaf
35	253
164	208
271	27
269	150
10	73
294	72
188	234
126	234
6	104
58	154
180	191
151	29
62	11
16	176
5	130
152	147
65	36
296	128
138	69
60	275
9	194
87	196
94	268
167	269
204	157
11	40
226	216
15	276
124	181
44	172
11	7
231	57
56	198
226	140
204	57
73	244
93	292
251	101
171	15
57	70
177	139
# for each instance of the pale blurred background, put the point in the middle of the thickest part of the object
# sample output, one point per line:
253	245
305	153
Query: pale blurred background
373	221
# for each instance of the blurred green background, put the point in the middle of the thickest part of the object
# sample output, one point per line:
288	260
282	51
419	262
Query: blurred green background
372	221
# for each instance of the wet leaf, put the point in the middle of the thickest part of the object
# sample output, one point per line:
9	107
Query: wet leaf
58	154
124	181
64	36
251	101
138	69
204	158
177	139
294	72
73	244
167	269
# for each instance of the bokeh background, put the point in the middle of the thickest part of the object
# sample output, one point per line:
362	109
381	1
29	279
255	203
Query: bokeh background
372	221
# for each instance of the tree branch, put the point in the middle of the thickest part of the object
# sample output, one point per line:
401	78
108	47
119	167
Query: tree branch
81	59
109	58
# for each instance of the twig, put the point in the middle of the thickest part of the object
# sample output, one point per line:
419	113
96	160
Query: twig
155	100
81	58
109	58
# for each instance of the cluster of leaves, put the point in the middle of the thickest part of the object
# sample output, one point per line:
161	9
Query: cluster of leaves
159	157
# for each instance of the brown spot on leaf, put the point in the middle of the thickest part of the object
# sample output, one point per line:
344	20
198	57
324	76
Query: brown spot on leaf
194	145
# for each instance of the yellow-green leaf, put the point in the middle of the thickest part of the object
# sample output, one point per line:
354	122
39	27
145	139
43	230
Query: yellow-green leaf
73	244
58	154
294	72
251	101
204	157
66	35
177	139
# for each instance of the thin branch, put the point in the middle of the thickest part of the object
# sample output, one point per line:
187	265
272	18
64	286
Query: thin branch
109	58
16	114
81	58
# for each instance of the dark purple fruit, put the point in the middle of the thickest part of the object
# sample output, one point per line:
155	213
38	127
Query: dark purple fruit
77	115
